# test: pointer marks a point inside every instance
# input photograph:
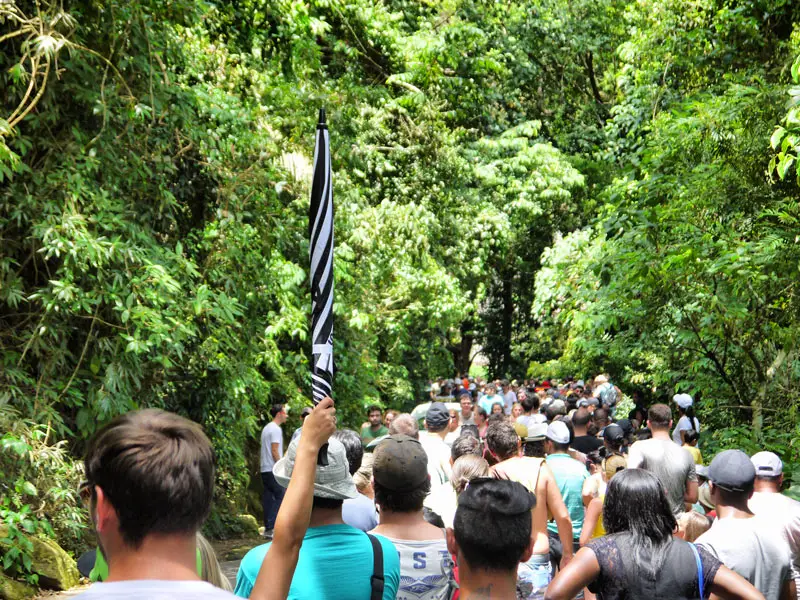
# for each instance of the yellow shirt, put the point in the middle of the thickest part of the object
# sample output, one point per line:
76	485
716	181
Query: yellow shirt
599	529
695	452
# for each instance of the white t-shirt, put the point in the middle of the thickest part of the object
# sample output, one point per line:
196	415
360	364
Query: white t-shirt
154	590
753	548
786	512
533	419
425	569
452	436
443	501
684	424
271	434
438	458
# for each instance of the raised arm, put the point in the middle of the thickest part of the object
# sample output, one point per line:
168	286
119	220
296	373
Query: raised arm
291	524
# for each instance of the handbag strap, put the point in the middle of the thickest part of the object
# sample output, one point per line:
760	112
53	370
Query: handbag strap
700	582
376	581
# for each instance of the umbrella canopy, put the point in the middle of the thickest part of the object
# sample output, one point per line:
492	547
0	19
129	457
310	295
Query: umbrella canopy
320	223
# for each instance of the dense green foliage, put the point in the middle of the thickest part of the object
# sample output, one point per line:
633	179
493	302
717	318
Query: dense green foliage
577	186
687	278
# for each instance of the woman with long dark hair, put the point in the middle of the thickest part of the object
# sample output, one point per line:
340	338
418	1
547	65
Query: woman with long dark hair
687	420
640	558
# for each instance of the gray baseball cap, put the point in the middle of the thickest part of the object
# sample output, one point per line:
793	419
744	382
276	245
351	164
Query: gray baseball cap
733	471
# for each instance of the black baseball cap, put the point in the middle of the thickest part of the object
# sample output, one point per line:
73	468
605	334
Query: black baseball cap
733	471
613	433
626	426
438	415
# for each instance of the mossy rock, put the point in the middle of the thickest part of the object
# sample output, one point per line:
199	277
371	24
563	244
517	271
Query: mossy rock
248	524
11	589
55	567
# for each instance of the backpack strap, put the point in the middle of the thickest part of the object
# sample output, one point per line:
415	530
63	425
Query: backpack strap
700	582
376	581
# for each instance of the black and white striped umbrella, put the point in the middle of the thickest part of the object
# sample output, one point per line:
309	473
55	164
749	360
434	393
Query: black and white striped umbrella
320	223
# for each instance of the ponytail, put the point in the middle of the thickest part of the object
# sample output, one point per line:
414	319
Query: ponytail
692	419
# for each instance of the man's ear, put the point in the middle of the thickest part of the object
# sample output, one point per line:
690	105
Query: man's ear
105	515
452	545
526	555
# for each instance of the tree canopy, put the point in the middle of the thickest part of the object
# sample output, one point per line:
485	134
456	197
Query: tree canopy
574	186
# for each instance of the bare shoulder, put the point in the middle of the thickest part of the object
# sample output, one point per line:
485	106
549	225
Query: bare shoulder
546	476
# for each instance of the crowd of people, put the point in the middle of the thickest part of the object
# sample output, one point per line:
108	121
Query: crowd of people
499	490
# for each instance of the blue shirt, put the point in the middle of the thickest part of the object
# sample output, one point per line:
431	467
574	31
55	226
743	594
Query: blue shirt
335	563
360	513
487	402
570	475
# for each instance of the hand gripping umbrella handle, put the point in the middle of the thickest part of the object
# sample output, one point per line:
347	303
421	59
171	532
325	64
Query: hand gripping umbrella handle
322	457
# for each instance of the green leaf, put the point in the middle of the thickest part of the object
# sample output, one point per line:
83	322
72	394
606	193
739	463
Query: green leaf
29	489
785	162
777	136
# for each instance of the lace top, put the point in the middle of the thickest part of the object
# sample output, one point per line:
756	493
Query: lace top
624	578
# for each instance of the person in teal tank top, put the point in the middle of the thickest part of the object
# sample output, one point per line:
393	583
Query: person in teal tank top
569	474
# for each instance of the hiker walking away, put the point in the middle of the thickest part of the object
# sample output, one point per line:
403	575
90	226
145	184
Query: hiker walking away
767	501
671	464
640	558
687	420
749	545
336	561
401	483
149	484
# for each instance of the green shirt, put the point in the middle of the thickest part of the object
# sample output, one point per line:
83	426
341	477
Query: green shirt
570	475
368	434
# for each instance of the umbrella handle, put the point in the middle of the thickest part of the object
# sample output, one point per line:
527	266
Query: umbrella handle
322	457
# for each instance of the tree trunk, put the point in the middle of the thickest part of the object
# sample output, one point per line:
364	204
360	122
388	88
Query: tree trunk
757	405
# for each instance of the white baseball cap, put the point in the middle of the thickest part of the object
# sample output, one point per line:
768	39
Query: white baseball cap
683	400
558	432
767	464
536	432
